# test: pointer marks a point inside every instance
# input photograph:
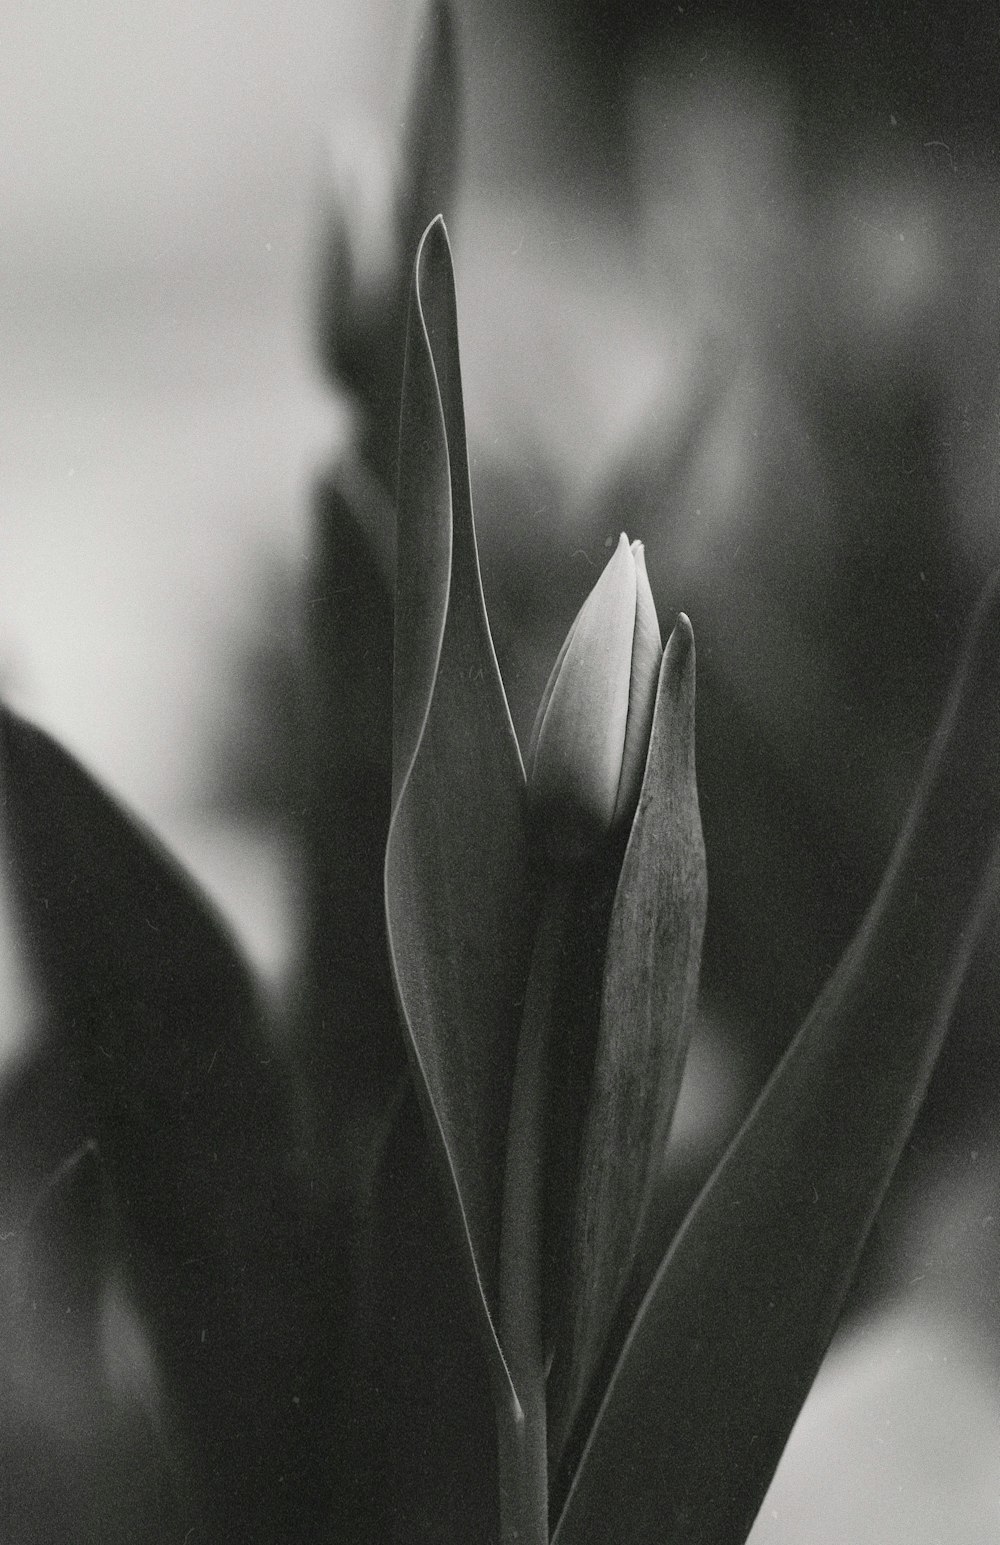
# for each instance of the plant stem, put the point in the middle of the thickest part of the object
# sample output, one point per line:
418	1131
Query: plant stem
524	1501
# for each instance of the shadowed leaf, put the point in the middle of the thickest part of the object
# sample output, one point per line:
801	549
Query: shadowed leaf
650	981
456	887
157	1010
734	1326
352	1051
63	1262
426	1391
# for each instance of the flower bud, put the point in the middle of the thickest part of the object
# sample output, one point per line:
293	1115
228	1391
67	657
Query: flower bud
588	746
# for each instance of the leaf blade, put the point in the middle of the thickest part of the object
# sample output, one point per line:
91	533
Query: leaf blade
730	1335
456	876
650	982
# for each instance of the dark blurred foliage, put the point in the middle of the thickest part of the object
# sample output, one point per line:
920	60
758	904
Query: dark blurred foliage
932	65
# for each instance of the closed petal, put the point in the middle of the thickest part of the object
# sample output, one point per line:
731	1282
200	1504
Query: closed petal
647	652
578	756
543	706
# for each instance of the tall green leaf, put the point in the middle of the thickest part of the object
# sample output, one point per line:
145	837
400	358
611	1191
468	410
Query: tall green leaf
731	1333
456	879
650	981
352	1044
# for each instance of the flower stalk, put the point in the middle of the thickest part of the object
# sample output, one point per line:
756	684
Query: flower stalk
524	1487
585	764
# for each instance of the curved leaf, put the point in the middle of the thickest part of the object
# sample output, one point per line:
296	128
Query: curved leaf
456	885
650	981
156	1009
731	1333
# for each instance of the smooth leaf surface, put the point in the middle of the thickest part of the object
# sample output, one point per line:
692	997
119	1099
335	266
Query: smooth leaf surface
159	1016
456	882
650	982
731	1333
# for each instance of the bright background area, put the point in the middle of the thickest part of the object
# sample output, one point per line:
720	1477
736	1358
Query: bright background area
160	167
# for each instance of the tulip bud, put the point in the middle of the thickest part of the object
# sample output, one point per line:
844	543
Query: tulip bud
588	746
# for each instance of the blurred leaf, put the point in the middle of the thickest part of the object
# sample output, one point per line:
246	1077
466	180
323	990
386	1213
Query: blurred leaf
63	1263
94	1473
362	325
732	1331
353	1054
458	904
77	1451
153	1002
432	137
650	982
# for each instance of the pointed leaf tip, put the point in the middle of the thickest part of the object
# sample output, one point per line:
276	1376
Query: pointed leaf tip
436	234
424	530
682	636
432	138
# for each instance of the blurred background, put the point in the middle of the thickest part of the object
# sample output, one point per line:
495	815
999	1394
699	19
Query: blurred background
727	279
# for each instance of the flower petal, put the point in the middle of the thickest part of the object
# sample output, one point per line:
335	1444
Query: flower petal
647	652
578	757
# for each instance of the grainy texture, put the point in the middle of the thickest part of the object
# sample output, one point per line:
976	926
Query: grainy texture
150	1001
